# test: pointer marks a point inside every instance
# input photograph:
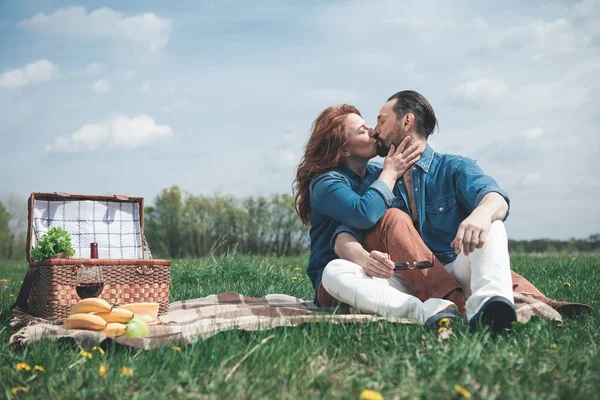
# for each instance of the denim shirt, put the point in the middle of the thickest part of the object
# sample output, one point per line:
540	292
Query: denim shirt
447	188
335	199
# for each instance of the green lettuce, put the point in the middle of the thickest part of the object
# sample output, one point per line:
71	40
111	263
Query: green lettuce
54	242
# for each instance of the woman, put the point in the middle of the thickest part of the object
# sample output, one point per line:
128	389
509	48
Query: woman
334	164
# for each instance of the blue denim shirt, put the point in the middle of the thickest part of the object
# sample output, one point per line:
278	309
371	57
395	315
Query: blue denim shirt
447	188
335	199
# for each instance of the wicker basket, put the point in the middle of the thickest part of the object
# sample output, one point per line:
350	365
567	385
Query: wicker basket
48	290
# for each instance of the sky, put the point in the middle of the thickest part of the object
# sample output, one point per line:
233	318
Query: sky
106	97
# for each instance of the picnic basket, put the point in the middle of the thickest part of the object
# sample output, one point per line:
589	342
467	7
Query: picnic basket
116	223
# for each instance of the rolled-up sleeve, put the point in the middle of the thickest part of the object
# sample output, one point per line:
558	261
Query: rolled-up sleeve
472	184
357	233
332	196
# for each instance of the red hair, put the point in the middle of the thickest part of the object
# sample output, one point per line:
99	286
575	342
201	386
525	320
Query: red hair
322	153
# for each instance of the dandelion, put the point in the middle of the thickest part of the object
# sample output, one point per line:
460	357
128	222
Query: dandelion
126	371
445	322
84	353
3	280
554	346
442	329
574	259
12	295
295	278
39	368
98	349
297	269
462	391
559	325
176	348
18	389
368	394
23	367
103	370
566	284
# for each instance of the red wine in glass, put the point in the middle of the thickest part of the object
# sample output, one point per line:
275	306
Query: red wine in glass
89	289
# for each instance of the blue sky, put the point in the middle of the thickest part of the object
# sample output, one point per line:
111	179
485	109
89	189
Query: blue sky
132	97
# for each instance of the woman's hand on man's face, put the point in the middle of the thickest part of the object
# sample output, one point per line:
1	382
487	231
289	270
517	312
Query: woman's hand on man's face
379	265
400	159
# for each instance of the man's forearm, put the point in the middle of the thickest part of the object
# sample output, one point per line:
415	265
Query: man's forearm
494	205
348	248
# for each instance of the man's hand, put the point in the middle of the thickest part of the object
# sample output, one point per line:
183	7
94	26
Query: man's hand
379	265
472	232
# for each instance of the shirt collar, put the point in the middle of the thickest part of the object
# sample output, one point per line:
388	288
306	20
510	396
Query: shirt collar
353	175
426	158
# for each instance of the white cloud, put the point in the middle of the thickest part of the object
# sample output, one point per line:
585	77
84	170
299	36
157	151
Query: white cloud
35	72
101	86
147	30
530	179
482	89
145	87
332	96
533	133
120	132
93	69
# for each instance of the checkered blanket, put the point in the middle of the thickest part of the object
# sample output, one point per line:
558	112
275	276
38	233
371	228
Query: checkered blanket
190	320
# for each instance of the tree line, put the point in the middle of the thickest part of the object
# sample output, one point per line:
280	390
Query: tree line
180	225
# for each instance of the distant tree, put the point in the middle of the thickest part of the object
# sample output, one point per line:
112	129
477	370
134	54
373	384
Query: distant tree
4	232
16	206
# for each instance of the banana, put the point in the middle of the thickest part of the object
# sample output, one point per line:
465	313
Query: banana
116	315
114	329
94	305
85	321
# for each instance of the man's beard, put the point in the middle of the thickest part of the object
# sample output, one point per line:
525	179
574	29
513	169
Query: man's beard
395	135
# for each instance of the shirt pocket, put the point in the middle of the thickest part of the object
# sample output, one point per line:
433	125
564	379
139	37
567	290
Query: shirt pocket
441	216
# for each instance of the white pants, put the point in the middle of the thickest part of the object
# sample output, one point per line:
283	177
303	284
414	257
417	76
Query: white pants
485	272
348	283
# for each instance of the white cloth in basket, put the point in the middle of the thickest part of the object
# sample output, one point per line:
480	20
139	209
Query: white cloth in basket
115	226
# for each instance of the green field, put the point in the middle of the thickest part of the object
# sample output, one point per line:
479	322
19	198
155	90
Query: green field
322	360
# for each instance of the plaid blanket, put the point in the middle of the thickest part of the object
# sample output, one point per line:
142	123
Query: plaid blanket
190	320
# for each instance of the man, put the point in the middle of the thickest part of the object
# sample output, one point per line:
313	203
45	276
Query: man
451	209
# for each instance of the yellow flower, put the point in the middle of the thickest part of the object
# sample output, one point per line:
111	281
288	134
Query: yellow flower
554	346
39	368
295	278
559	325
84	353
23	367
574	259
462	391
126	371
297	269
445	322
4	280
566	284
103	370
593	302
368	394
176	348
442	329
11	295
99	349
18	389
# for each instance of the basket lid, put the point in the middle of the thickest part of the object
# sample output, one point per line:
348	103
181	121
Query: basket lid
116	223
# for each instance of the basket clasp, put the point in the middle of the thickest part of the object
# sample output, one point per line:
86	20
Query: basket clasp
144	270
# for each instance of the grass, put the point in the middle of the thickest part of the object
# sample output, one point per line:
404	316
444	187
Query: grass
321	360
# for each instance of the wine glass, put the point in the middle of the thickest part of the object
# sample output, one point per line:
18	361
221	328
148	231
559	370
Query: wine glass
90	281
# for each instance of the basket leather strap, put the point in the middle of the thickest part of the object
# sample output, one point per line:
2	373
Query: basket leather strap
25	289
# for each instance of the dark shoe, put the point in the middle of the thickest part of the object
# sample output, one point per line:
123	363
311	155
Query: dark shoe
498	313
445	319
571	310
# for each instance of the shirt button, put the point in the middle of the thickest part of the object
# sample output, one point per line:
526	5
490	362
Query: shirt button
441	208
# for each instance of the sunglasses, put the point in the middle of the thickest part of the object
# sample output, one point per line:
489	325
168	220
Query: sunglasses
403	266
